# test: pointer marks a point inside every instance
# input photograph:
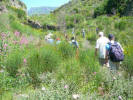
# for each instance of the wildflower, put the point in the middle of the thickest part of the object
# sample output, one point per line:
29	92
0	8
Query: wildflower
120	98
25	61
66	86
5	45
43	88
3	35
95	73
114	78
15	42
76	96
24	95
16	33
23	40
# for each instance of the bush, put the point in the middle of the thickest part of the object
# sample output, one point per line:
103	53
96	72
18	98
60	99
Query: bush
128	61
120	25
20	12
43	60
14	62
112	7
66	50
87	60
40	61
73	72
91	37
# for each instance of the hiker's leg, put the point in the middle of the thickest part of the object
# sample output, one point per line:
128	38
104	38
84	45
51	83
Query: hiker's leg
112	65
101	61
117	65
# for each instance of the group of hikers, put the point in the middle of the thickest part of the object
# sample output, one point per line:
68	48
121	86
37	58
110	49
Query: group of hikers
53	40
110	51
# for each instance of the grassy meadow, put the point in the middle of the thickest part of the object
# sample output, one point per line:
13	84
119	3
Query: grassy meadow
31	69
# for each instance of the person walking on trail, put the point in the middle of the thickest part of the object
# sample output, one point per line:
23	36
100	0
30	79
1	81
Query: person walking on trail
74	42
97	30
100	46
83	33
73	32
114	53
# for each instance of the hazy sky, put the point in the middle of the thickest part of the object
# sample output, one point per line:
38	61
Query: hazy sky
48	3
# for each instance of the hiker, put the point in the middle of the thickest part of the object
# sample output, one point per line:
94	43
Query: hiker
100	45
114	53
97	30
66	37
58	41
73	32
83	33
74	42
75	45
49	39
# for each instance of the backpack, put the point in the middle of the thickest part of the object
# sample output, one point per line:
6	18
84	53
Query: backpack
115	52
75	44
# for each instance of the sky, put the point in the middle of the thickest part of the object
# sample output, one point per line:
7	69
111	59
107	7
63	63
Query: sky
47	3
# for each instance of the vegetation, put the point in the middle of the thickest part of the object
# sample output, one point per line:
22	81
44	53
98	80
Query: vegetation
30	68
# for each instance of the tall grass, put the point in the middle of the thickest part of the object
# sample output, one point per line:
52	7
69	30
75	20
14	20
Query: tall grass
88	60
66	50
42	60
128	61
14	62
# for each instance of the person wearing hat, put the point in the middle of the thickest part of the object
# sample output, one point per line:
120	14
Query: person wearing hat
100	46
113	63
58	41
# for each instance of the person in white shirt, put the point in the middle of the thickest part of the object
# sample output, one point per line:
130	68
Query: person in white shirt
100	46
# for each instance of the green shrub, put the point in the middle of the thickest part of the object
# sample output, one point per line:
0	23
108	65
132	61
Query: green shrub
99	11
43	60
91	37
14	62
112	7
66	50
128	61
87	60
120	25
20	12
40	61
72	73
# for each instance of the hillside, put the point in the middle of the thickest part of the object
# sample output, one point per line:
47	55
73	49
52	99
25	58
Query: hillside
38	60
40	10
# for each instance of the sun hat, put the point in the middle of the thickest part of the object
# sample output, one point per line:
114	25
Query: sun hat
101	34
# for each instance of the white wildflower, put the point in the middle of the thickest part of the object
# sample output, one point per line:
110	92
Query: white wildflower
76	96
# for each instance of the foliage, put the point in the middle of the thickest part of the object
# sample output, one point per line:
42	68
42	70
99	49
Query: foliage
66	50
128	62
112	7
20	12
40	61
87	60
14	62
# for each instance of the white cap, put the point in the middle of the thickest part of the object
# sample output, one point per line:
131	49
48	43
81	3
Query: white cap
101	34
